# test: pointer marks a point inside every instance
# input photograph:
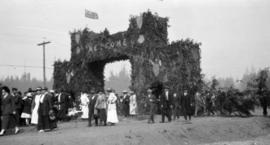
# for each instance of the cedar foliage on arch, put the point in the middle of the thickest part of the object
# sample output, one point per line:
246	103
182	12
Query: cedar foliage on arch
177	64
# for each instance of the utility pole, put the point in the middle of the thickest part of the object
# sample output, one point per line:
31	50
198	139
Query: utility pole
44	71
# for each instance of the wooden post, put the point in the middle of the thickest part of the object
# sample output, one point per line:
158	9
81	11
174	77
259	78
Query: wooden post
44	67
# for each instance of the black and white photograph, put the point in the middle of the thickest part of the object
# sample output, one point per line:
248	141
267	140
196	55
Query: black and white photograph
135	72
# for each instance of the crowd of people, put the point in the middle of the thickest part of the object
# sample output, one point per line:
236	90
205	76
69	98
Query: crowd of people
43	108
170	104
104	107
40	107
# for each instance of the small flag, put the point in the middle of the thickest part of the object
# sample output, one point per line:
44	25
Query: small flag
91	15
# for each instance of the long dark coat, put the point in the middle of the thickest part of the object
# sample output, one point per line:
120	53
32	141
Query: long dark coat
27	105
7	105
151	101
186	104
126	105
63	106
92	103
7	108
92	111
166	103
46	106
43	113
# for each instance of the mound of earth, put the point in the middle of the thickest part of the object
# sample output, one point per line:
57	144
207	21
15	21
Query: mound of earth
130	131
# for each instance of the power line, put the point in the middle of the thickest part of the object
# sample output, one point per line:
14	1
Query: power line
24	66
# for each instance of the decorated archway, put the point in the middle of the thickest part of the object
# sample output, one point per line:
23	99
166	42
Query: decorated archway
144	44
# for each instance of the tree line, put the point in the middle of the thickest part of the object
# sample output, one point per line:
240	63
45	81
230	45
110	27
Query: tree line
24	82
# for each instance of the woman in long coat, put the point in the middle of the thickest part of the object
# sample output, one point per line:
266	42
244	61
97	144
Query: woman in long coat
8	109
45	106
111	112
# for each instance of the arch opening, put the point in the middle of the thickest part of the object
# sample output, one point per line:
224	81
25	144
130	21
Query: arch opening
117	75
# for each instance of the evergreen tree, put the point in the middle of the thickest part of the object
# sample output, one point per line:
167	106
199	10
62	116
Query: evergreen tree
262	90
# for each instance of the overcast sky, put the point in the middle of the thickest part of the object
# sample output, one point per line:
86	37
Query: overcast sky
235	34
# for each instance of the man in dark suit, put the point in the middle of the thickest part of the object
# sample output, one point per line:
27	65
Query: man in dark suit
120	104
18	107
92	111
62	100
186	105
166	105
126	103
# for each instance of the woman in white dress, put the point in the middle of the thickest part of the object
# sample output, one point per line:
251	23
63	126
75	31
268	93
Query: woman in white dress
35	106
111	112
132	104
84	105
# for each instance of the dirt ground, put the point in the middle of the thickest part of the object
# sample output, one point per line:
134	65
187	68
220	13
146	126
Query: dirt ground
131	131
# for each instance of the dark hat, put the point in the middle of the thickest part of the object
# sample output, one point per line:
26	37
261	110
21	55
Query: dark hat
30	90
14	89
61	89
92	91
109	89
45	89
6	89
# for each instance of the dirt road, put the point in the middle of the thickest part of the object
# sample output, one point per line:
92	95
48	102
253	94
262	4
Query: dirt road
201	130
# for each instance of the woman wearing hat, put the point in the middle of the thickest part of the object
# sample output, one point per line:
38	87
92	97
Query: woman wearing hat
45	112
8	109
111	112
84	105
35	106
